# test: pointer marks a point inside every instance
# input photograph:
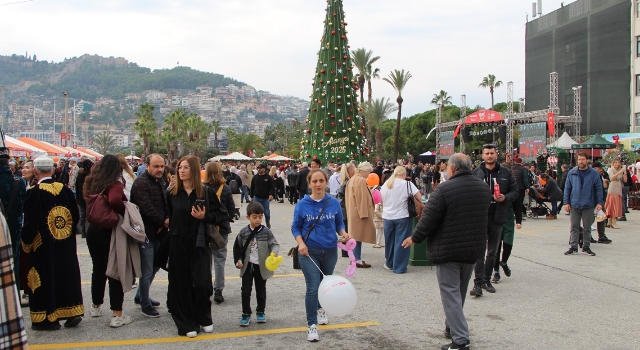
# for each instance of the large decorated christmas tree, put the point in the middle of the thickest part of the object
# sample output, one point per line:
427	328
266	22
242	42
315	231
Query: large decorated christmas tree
334	130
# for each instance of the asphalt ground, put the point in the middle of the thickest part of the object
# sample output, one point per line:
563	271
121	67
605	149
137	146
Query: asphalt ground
551	301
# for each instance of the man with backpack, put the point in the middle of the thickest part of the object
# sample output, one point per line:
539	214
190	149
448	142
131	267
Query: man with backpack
234	182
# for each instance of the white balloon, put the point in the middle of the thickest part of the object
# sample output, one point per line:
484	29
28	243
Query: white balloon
337	295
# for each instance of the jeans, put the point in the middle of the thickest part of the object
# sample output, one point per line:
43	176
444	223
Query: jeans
219	258
265	204
250	277
326	260
244	194
395	232
83	219
576	216
554	206
453	280
147	253
99	243
357	252
484	268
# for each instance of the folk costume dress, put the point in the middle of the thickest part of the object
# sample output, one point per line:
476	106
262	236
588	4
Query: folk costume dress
53	277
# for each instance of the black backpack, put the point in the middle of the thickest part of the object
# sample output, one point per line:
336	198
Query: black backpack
233	184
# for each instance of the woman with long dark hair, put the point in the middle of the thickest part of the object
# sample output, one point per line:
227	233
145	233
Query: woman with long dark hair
214	179
105	178
84	169
190	286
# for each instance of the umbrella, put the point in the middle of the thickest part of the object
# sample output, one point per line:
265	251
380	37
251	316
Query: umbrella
235	156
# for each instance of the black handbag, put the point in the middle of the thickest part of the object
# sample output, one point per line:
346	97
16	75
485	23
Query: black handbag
293	252
411	203
216	241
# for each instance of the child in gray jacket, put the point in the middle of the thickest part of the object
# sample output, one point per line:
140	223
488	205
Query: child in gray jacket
251	249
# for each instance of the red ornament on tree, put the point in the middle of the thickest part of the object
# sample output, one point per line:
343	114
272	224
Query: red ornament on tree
334	14
333	124
339	63
326	133
363	127
355	87
333	72
308	156
342	37
339	103
322	71
320	81
333	116
333	32
319	101
333	88
341	88
346	24
348	119
333	57
345	57
345	77
338	159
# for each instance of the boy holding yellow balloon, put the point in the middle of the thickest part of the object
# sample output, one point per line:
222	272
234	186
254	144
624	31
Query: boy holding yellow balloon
254	252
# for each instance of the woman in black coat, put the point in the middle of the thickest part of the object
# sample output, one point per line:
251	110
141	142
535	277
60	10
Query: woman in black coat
551	192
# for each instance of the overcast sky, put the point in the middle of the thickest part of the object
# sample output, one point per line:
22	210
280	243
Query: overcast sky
271	45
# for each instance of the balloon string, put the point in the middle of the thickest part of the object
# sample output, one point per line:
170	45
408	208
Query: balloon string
323	275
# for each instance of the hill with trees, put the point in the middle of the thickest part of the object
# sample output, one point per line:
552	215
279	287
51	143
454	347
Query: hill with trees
88	77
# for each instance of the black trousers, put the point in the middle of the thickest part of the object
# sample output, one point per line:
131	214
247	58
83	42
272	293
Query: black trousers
250	277
99	243
518	204
484	267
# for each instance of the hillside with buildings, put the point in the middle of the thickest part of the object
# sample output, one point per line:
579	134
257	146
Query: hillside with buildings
104	94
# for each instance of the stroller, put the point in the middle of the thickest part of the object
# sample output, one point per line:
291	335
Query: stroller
536	207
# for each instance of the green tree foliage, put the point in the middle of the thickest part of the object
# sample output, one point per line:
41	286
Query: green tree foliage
92	79
147	127
376	112
104	142
245	143
398	80
490	82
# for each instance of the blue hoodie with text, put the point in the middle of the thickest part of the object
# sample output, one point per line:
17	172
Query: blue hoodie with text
324	234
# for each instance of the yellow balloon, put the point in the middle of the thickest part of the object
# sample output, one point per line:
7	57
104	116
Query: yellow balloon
273	262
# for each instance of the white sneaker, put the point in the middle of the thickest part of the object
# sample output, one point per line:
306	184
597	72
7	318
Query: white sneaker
118	321
95	311
24	301
192	334
208	329
322	317
385	266
312	333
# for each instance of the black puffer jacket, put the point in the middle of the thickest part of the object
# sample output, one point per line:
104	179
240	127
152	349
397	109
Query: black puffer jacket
226	201
508	187
455	220
517	170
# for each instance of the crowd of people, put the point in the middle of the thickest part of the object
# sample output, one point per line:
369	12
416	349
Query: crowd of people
136	218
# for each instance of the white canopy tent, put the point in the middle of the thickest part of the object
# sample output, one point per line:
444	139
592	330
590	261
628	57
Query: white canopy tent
235	156
215	159
130	157
37	152
279	159
565	141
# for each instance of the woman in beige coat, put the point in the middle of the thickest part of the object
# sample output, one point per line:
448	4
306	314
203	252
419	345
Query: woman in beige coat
359	206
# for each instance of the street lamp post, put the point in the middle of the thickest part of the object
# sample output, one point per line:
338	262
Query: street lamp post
66	114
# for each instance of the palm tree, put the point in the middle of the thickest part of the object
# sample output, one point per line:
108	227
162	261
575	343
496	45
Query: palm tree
490	82
103	142
146	127
398	80
363	59
371	74
376	112
215	128
441	100
245	143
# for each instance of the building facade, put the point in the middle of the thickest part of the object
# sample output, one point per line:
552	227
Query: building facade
589	44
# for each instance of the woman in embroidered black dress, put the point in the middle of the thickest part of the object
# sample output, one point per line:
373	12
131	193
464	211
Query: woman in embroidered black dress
190	286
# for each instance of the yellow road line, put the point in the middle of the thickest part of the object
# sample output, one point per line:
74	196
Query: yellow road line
129	342
527	233
226	278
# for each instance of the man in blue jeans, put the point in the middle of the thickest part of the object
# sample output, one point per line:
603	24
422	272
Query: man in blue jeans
149	194
263	190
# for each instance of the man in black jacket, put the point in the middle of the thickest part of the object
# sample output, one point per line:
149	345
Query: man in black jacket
301	184
263	189
292	179
491	173
455	223
148	192
518	173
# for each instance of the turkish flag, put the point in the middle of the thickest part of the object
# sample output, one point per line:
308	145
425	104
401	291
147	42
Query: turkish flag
550	123
455	133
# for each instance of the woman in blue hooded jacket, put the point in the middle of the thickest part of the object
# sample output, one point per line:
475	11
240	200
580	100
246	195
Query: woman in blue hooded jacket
316	220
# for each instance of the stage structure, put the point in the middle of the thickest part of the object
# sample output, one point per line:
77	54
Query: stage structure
550	116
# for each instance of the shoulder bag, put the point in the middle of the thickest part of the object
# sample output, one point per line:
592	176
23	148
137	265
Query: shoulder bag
415	207
99	212
216	241
293	252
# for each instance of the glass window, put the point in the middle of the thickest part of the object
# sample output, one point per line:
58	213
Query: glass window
638	9
637	84
638	46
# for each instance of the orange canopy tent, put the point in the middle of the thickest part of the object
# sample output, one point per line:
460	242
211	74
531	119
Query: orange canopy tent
45	146
89	152
17	150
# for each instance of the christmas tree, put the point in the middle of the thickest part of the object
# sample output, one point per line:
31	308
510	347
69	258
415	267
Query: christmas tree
334	130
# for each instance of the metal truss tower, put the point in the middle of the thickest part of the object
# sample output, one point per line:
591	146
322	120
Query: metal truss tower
577	90
438	125
509	115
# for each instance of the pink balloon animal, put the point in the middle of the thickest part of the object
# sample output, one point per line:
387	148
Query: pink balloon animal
349	246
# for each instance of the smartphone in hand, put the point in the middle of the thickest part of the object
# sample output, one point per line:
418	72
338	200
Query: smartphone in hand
200	203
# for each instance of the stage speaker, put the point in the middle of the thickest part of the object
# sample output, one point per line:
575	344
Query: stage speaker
466	135
502	131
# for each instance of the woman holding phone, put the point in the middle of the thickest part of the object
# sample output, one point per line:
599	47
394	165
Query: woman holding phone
190	286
